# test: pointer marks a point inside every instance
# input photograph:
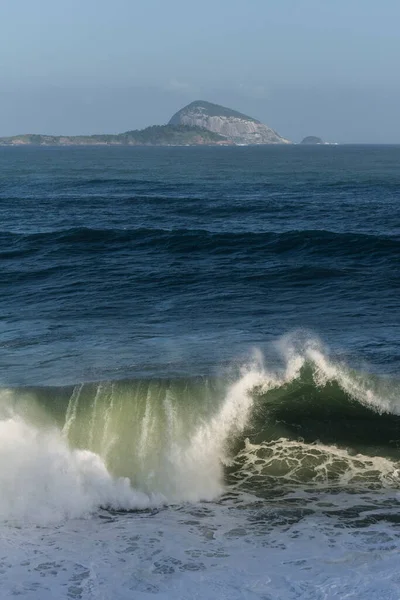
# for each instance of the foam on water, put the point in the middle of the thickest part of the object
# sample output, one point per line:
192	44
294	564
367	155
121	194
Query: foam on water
284	463
208	551
43	479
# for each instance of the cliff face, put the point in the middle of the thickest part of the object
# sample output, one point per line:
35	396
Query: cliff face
236	127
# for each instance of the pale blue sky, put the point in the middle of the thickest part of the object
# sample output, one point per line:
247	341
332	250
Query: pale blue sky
321	67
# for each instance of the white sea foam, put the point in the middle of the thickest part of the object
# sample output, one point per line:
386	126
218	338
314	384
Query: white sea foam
197	468
284	462
207	551
377	394
43	479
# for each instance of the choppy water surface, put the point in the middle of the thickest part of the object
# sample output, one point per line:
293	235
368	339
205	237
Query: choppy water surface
199	372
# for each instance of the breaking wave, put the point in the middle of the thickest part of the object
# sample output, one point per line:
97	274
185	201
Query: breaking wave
137	444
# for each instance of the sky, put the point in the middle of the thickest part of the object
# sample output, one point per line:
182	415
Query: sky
304	67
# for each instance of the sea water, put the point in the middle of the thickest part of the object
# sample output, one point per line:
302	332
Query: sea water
199	391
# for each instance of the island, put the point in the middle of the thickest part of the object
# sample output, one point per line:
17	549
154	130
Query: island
156	135
312	139
232	125
197	124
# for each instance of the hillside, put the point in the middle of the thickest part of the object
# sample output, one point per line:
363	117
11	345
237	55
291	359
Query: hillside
234	126
156	135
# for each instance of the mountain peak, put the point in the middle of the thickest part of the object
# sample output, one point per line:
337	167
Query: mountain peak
209	109
233	125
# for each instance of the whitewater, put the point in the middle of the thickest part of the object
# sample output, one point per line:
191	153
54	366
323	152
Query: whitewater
196	476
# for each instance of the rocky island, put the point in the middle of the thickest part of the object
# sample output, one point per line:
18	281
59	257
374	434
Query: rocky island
232	125
312	139
198	123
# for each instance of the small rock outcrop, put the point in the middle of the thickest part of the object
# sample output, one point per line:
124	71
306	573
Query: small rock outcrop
234	126
312	139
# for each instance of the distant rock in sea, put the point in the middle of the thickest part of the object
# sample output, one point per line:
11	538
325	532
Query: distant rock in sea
234	126
312	139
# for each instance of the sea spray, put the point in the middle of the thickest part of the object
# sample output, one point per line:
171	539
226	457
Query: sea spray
43	479
197	466
299	348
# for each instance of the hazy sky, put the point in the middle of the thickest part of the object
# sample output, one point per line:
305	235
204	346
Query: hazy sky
305	67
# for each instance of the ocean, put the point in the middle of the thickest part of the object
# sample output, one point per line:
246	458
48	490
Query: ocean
199	384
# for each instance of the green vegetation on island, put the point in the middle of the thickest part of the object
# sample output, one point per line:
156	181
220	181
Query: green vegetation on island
156	135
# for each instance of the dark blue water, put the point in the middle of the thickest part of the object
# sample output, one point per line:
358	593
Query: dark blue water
127	262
